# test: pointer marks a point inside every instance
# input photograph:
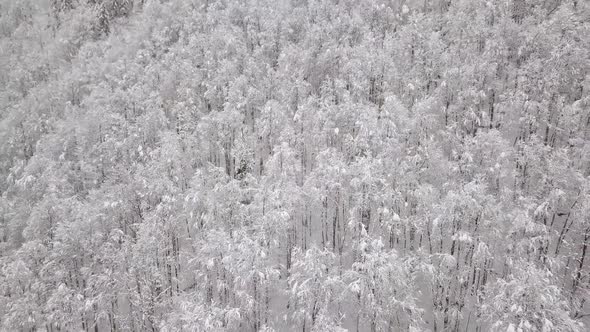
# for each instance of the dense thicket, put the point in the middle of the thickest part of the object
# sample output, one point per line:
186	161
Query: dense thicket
304	165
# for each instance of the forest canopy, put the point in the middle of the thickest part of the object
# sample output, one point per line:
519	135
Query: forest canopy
294	165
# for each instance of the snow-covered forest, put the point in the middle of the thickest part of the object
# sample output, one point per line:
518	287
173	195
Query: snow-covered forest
294	165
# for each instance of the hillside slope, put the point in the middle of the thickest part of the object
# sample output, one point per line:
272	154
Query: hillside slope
294	165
